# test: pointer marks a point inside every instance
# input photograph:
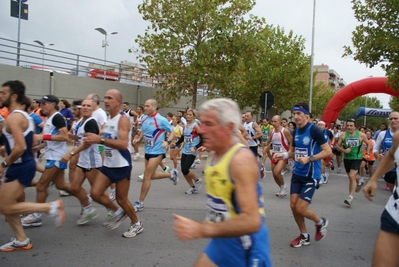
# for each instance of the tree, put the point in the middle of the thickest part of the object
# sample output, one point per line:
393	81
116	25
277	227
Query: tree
394	103
269	59
321	95
376	39
175	45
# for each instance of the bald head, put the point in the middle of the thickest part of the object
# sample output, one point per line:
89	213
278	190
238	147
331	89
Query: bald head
117	95
150	106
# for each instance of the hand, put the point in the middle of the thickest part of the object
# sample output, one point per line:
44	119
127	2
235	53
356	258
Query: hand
201	149
303	160
37	138
278	156
172	145
367	156
2	170
347	151
370	189
66	158
192	150
380	156
91	138
135	141
186	229
2	151
165	144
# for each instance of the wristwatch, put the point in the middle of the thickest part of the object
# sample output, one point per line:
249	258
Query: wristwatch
102	141
4	164
311	158
72	153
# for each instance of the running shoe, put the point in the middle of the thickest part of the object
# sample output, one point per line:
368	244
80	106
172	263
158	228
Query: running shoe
88	215
32	220
166	169
332	165
116	220
110	215
283	173
197	161
141	177
358	187
348	201
339	170
57	212
282	192
138	206
321	181
326	177
193	166
386	187
14	244
191	191
163	160
64	193
112	195
262	171
300	241
174	176
198	184
321	230
133	230
90	202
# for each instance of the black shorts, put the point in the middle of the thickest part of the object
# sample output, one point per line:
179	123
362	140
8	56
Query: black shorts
151	156
336	152
254	150
390	177
352	164
388	224
117	174
87	169
369	162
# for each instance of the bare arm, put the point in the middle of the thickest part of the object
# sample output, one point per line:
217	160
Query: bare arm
16	127
258	131
340	147
245	174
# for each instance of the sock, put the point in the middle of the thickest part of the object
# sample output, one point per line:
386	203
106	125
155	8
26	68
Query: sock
118	212
138	223
305	235
165	169
350	196
193	186
88	207
320	222
113	190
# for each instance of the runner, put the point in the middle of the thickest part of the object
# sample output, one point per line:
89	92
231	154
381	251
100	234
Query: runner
239	236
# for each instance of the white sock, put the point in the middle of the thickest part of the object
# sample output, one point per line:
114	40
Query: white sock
118	212
138	223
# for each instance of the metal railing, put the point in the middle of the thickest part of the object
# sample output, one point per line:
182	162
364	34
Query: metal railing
48	59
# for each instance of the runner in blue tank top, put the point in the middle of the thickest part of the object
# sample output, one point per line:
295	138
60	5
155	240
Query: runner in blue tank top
308	149
153	131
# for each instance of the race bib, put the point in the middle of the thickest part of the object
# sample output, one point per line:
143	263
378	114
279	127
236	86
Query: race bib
277	148
300	152
217	210
352	142
187	139
148	140
108	153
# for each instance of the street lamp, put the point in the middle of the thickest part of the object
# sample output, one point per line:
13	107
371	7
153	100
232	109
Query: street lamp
312	58
43	46
105	44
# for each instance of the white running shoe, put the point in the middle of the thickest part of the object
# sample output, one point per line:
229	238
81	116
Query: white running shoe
166	169
116	220
191	191
134	230
193	166
174	176
63	193
198	184
32	220
197	161
112	195
164	160
57	212
141	177
88	215
326	177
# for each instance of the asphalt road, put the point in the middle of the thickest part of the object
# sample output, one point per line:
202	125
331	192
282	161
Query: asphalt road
349	242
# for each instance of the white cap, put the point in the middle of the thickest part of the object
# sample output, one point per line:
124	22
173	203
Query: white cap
322	122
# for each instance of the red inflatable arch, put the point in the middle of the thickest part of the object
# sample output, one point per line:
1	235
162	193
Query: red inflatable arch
353	90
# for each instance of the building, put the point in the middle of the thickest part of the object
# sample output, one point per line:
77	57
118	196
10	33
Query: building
328	76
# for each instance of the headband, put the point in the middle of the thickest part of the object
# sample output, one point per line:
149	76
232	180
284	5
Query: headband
78	106
301	109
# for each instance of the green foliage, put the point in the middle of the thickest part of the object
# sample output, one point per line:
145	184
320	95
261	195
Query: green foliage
321	95
394	103
376	39
214	43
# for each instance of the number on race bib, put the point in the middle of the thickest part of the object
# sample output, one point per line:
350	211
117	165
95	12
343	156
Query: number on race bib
300	152
108	153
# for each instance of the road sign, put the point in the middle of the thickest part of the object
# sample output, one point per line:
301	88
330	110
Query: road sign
266	99
15	12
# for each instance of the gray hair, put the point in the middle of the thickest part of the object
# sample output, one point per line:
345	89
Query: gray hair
227	111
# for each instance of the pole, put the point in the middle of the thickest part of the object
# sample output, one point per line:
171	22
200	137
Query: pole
311	58
364	121
265	106
43	58
105	55
19	33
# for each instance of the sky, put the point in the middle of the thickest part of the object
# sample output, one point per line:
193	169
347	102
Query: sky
70	24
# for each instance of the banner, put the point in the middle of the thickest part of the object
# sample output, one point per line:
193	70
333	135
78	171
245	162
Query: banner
373	112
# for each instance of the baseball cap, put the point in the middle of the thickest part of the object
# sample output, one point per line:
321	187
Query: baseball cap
322	122
48	98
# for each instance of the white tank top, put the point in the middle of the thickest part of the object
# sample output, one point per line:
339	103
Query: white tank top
279	141
139	122
54	149
90	157
393	202
251	132
9	141
115	158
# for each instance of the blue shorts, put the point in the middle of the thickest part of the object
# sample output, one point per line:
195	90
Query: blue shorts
23	172
60	165
304	187
151	156
117	174
176	146
388	224
227	252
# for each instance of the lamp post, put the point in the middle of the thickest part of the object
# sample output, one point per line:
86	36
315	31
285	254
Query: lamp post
311	58
43	46
364	121
105	44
